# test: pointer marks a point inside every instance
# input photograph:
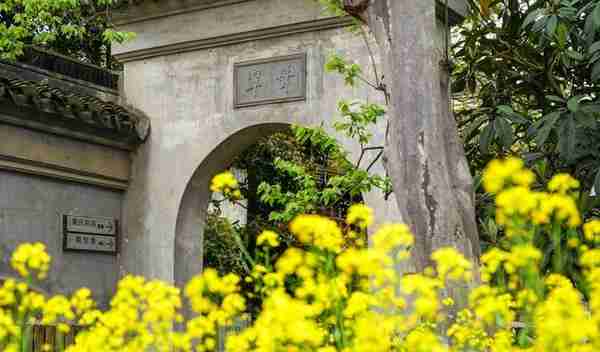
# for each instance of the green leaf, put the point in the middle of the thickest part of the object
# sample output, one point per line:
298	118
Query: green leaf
473	128
586	119
551	25
516	118
596	71
532	17
589	30
486	138
575	55
505	109
596	16
595	47
548	124
567	139
595	57
573	104
597	183
538	26
562	35
504	132
555	98
591	108
511	115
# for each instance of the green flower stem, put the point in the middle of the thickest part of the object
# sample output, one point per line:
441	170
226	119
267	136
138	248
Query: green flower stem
330	264
268	258
557	260
340	340
247	255
25	329
502	279
60	341
26	337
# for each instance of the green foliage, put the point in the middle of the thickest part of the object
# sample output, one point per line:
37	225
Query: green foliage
304	172
318	141
81	29
346	182
230	249
350	71
11	41
527	74
307	192
301	172
333	7
358	118
220	249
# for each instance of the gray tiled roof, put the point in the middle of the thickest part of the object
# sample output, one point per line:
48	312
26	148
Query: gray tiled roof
53	106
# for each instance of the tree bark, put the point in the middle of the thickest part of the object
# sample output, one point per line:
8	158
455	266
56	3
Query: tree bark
424	154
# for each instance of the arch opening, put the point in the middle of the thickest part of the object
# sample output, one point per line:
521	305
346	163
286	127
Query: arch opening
207	232
191	218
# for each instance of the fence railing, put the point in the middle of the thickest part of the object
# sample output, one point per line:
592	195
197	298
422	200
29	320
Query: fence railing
224	331
47	335
69	67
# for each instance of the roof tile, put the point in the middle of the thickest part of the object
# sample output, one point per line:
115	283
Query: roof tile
81	110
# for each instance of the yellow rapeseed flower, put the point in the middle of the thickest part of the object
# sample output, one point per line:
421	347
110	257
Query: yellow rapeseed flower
82	301
500	173
562	183
390	237
318	297
318	231
360	215
31	257
227	184
591	230
291	260
451	264
269	238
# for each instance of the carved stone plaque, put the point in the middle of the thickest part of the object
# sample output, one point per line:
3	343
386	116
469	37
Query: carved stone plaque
268	81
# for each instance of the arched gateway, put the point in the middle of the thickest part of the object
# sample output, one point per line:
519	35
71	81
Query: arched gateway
191	215
214	77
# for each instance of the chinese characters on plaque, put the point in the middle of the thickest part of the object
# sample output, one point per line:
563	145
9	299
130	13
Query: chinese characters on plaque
90	234
268	81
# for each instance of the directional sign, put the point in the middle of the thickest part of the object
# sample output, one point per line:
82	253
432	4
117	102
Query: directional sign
88	224
97	243
90	234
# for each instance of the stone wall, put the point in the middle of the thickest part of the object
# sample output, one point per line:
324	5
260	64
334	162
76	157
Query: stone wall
46	154
31	210
52	164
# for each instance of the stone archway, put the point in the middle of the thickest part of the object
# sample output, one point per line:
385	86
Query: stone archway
188	252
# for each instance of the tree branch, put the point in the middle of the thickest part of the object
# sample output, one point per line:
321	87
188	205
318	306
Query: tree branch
373	63
379	155
357	9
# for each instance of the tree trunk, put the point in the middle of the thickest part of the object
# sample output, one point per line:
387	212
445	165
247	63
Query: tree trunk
424	154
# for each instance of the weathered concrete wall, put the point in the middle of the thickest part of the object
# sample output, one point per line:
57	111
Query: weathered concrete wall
199	20
217	21
461	7
40	153
30	211
196	131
